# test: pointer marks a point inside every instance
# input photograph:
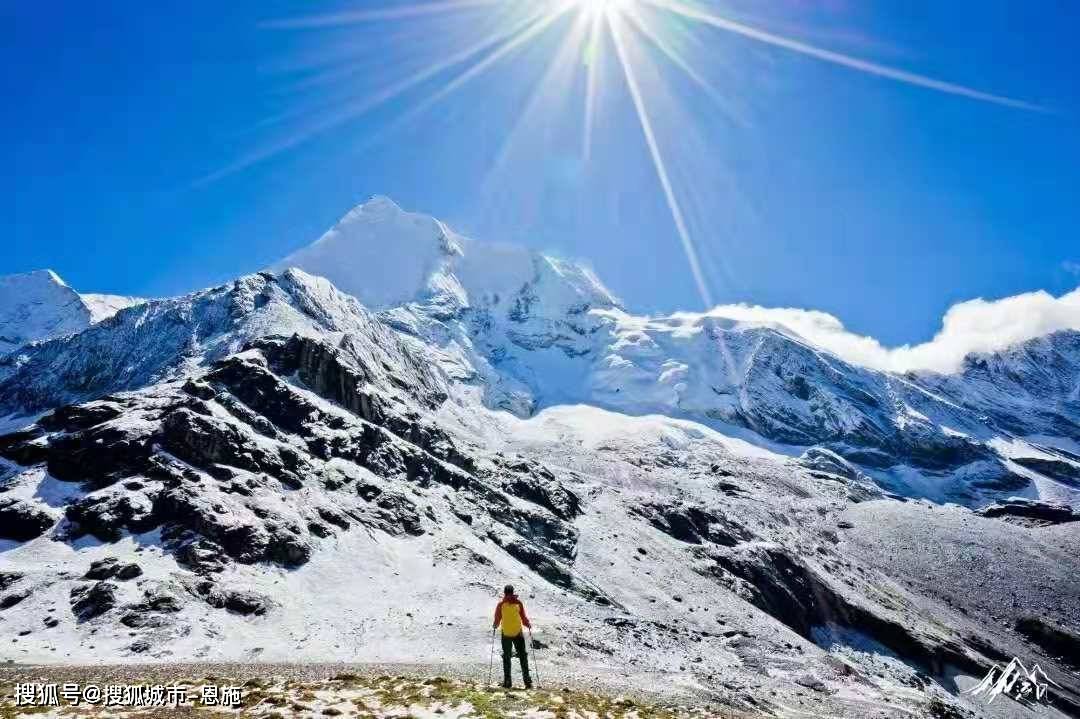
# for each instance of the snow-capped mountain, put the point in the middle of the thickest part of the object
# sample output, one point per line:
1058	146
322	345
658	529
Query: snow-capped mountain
387	257
161	340
40	306
539	332
345	457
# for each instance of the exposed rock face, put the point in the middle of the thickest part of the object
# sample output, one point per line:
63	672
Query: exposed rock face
693	524
112	568
1030	512
789	589
238	601
159	604
1057	642
8	579
22	521
1067	473
241	437
107	515
10	599
89	601
245	465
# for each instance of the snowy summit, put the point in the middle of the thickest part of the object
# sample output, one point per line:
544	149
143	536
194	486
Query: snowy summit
347	456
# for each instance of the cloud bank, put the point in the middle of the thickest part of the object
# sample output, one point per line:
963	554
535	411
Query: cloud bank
973	326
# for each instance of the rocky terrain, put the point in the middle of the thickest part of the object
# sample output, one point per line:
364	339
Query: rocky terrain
364	691
296	468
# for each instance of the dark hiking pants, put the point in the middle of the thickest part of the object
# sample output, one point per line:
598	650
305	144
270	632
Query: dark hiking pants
518	644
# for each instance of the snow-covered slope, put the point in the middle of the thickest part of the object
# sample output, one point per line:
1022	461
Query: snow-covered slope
102	307
1034	385
315	473
160	340
533	332
387	257
37	306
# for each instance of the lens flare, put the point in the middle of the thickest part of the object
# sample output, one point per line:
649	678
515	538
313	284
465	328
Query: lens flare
633	32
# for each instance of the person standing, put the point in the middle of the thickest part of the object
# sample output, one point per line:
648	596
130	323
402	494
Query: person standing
510	614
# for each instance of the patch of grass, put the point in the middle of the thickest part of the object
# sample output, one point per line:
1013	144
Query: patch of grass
378	697
345	677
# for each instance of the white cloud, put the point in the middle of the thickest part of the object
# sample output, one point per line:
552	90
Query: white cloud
973	326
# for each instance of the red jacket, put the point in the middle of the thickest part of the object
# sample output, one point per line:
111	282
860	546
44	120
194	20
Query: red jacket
510	612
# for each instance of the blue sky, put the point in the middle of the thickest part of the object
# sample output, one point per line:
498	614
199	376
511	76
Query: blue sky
804	184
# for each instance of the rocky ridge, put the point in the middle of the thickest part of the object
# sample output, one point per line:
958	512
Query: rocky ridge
271	459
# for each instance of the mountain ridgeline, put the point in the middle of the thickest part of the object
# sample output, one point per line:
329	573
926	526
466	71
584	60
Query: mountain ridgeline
398	414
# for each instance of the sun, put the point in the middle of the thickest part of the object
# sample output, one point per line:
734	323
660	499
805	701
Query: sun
638	36
603	8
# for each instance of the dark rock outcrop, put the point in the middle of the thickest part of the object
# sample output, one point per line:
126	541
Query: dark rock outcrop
213	462
14	597
93	600
112	568
238	601
1030	512
537	484
1068	473
1058	642
204	441
787	588
160	601
107	516
693	524
22	521
9	579
99	455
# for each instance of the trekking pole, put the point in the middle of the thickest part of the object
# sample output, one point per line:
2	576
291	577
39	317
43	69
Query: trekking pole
536	662
491	660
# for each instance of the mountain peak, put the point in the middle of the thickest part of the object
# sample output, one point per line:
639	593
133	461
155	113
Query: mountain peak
388	257
38	305
33	277
380	202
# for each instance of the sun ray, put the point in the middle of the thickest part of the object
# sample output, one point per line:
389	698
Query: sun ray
358	108
838	58
537	26
614	24
593	69
663	46
362	16
560	61
640	31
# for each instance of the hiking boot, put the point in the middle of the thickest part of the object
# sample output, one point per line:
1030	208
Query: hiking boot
507	685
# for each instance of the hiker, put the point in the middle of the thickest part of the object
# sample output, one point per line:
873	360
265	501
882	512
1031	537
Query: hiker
510	613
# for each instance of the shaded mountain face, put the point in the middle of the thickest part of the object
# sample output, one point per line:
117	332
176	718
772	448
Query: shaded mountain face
1031	388
317	473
